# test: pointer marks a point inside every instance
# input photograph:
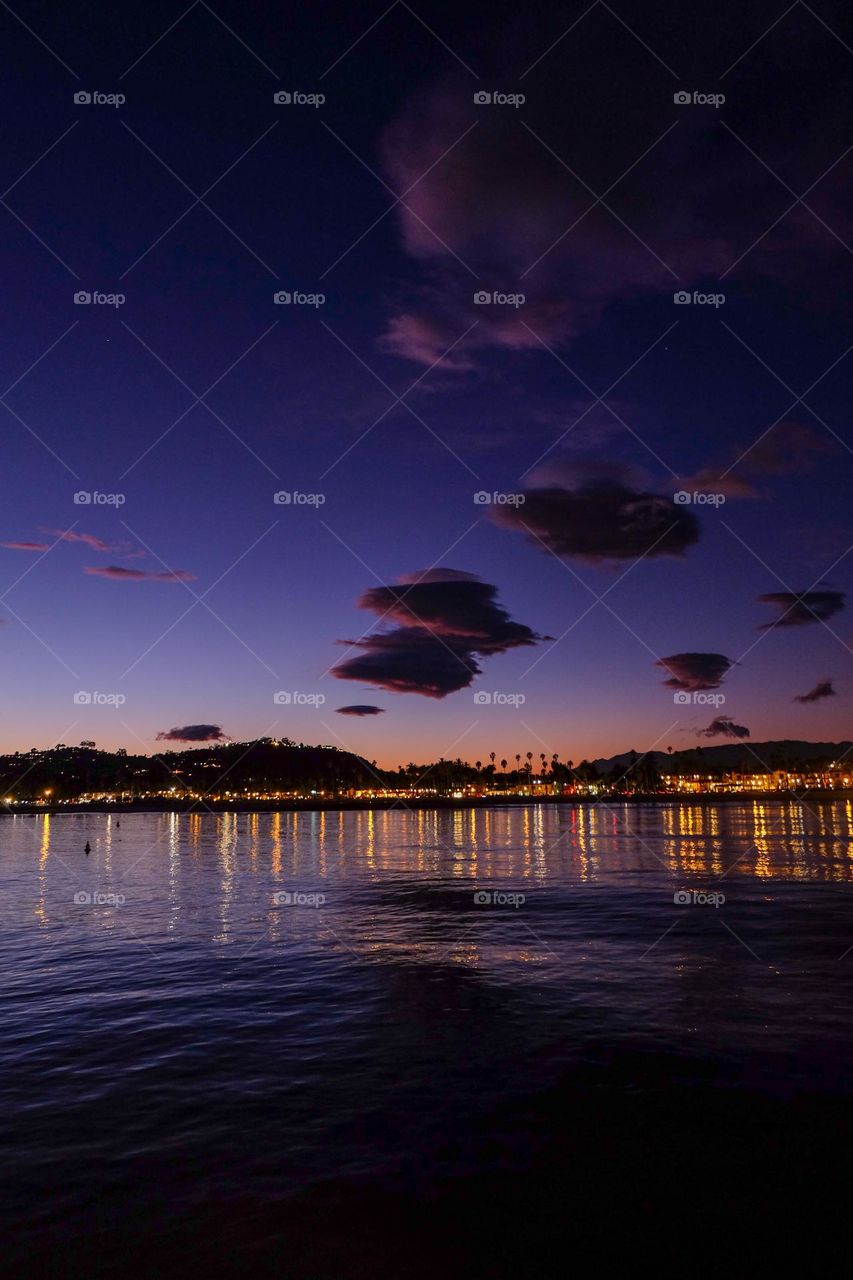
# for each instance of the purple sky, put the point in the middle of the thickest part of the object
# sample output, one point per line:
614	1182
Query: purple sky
583	598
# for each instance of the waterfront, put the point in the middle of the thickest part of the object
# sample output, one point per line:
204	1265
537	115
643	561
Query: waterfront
218	1028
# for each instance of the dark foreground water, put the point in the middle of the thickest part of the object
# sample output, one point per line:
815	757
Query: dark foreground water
422	1044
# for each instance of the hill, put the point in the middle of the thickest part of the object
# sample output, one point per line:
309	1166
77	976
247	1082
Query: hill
745	757
266	765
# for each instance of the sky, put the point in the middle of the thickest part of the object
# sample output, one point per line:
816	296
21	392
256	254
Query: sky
384	400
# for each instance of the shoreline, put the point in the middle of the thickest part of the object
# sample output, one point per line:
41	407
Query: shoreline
438	803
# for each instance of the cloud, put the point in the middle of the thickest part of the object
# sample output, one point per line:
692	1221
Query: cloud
823	689
26	546
788	448
716	480
512	200
498	202
71	535
118	573
194	733
602	519
799	608
410	660
424	338
446	619
692	672
723	727
361	709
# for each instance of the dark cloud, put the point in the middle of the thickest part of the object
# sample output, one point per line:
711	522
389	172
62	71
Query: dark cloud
411	660
446	619
118	573
507	195
499	202
823	689
723	727
194	733
602	519
26	546
361	709
692	672
799	608
452	605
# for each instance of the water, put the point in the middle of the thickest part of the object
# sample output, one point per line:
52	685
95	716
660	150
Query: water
215	1026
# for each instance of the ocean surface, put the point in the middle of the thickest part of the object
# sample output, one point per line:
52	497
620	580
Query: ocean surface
266	1041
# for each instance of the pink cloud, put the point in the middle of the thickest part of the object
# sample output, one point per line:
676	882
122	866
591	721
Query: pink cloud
26	546
70	535
512	205
118	573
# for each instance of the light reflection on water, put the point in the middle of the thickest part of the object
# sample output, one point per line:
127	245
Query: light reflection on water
242	1021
